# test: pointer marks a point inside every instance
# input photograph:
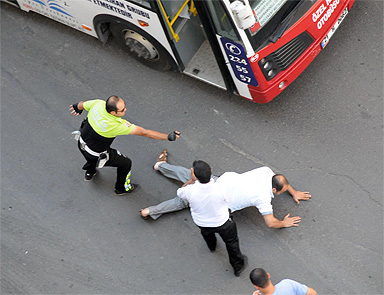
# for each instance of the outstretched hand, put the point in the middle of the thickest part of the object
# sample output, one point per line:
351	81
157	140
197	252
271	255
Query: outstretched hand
191	180
73	111
291	221
301	196
76	108
173	135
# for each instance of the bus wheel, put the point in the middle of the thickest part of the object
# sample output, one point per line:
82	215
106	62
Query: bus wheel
142	46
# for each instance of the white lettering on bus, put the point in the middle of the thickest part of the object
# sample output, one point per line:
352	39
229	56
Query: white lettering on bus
237	59
323	13
241	69
328	14
318	13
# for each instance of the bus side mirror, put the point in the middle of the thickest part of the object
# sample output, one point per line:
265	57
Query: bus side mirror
243	14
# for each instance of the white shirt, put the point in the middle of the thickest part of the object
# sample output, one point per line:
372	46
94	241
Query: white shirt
207	202
252	188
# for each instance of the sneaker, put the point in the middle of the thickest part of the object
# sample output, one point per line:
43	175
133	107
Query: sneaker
89	176
133	187
238	272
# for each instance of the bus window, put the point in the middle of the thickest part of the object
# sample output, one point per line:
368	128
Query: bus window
223	24
270	14
265	10
172	7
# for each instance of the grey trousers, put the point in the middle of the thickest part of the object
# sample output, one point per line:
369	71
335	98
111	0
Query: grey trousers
175	172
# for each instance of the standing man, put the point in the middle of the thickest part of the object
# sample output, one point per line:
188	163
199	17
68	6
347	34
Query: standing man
97	133
262	282
253	188
210	213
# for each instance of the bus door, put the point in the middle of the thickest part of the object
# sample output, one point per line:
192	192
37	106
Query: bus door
234	47
196	57
227	45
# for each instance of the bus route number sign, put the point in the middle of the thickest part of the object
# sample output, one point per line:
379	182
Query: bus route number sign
239	62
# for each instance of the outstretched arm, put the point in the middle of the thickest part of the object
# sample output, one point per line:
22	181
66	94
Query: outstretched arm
155	134
76	108
272	221
298	195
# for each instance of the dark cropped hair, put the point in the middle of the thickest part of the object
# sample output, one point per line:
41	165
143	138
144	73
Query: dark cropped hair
278	182
202	171
110	105
259	277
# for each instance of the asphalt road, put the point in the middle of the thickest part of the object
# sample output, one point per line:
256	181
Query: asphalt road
61	235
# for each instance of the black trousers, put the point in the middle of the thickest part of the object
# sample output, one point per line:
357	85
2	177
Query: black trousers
228	232
116	159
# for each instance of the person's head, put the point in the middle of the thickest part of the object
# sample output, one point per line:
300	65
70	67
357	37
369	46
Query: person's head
279	184
202	171
260	278
115	106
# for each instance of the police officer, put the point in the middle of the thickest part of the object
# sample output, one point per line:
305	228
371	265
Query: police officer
103	123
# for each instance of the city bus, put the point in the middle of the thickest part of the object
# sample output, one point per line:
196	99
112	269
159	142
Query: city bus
252	48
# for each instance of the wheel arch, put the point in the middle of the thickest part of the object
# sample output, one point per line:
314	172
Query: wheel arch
102	24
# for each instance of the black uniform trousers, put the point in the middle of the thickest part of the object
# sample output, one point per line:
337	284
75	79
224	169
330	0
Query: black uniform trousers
116	159
228	232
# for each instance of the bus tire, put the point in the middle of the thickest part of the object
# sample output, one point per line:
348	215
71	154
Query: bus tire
142	46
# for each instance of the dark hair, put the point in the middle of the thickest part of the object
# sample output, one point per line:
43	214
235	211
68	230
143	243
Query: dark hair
110	105
202	171
259	277
278	182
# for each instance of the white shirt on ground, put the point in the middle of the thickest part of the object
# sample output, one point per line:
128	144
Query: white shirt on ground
252	188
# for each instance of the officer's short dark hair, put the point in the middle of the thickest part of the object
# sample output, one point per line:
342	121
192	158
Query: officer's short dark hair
202	171
278	182
259	277
111	104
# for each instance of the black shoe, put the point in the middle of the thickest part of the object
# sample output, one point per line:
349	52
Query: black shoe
133	187
238	272
89	176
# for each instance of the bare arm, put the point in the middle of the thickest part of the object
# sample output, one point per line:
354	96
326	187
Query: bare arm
79	106
311	291
298	195
151	133
191	180
272	221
